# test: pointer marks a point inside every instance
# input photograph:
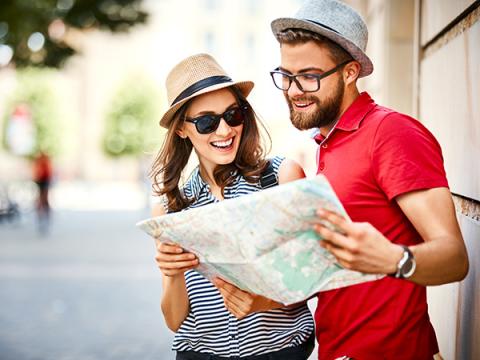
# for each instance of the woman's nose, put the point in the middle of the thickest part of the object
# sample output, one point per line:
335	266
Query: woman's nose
223	128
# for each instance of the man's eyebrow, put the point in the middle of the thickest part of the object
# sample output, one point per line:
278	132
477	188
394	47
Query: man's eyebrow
302	71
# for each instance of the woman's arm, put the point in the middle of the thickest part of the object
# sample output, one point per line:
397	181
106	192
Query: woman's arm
173	261
289	170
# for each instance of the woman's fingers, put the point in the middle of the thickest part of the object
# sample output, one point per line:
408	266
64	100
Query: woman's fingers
168	272
166	257
234	308
172	253
175	268
169	248
177	264
173	260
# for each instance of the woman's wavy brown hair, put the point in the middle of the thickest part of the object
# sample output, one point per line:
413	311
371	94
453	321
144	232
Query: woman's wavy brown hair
173	156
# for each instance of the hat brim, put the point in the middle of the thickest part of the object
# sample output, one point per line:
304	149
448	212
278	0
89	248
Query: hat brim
282	24
245	88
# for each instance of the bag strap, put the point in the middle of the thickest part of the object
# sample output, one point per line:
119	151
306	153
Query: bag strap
269	176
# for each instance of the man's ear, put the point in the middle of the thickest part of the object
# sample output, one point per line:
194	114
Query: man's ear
351	72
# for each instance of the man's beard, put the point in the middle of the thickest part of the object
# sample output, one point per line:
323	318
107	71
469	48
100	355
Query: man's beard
326	113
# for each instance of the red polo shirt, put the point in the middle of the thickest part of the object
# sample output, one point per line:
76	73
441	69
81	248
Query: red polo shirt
373	155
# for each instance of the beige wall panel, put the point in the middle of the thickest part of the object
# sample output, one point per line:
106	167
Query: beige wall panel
437	14
450	108
468	338
401	19
442	308
390	47
399	81
455	308
377	51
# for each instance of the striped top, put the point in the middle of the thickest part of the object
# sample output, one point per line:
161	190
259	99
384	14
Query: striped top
209	327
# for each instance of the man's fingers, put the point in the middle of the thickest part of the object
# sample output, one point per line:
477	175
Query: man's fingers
339	221
344	257
332	237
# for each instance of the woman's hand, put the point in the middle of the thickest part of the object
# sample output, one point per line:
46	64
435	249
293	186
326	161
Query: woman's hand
172	260
242	303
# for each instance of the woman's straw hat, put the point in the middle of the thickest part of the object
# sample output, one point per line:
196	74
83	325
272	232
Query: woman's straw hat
195	75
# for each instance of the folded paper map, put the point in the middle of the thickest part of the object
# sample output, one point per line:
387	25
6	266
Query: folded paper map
262	242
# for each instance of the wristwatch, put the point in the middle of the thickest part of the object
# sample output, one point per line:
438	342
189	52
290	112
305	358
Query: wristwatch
406	266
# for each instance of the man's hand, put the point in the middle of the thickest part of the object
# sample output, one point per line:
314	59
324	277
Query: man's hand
241	303
357	246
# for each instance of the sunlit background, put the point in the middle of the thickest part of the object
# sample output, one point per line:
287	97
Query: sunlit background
83	81
98	114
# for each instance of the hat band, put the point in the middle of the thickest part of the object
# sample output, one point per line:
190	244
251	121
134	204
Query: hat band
324	26
200	85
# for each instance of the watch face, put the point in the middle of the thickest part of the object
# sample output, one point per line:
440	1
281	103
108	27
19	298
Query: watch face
408	267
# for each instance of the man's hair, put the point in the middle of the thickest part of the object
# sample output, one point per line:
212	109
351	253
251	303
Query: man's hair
300	36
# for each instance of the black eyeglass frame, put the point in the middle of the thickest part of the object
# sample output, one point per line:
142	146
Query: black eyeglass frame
227	115
318	77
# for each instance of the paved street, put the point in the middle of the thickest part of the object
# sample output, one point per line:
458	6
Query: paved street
87	290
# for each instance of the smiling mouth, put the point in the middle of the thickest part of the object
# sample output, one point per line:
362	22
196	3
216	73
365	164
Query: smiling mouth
223	144
302	104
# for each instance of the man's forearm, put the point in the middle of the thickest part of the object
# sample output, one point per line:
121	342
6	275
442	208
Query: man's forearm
439	261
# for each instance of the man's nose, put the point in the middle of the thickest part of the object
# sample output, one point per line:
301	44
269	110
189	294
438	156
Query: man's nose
294	90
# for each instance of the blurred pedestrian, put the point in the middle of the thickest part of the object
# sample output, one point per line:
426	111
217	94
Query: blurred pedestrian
42	176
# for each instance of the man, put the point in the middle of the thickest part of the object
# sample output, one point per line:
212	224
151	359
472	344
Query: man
387	170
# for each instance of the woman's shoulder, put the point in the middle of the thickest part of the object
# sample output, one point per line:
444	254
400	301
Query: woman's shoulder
286	169
276	161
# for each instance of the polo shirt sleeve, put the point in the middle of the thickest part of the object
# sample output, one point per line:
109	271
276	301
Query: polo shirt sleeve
406	156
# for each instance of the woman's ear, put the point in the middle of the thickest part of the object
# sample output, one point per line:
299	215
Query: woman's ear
180	133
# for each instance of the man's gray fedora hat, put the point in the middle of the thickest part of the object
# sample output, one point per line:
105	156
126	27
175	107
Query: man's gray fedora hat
337	22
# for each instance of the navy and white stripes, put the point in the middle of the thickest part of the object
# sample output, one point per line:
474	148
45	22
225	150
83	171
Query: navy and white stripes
209	327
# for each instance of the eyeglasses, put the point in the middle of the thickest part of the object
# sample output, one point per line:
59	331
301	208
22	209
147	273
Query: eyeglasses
305	82
206	124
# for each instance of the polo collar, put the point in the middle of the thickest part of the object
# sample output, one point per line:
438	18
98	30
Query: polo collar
353	116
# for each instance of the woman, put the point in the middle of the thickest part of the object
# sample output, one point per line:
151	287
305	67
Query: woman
210	114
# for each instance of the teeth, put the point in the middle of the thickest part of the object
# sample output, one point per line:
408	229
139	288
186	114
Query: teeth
223	143
301	104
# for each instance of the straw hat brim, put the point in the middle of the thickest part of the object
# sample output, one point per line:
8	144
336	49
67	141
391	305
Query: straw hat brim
282	24
245	88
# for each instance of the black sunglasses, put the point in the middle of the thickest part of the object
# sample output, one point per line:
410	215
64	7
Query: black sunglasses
206	124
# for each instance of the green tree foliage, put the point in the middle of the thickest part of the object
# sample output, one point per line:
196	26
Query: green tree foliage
132	119
50	20
34	90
